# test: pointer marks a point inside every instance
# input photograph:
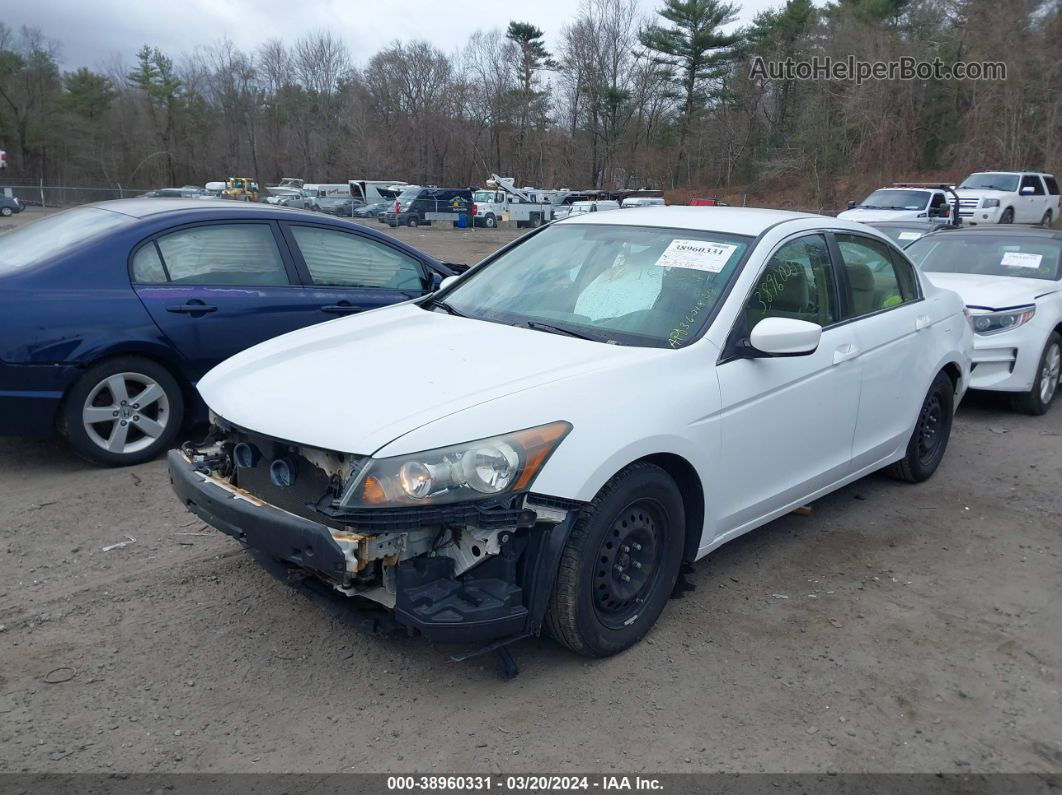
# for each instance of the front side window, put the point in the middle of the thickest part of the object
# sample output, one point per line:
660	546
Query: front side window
988	255
343	259
796	283
624	284
221	254
877	281
1033	181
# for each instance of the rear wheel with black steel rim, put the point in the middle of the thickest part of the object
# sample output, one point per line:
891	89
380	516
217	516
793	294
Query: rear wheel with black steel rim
928	442
620	563
1038	399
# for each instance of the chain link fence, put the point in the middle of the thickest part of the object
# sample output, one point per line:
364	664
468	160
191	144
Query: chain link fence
64	196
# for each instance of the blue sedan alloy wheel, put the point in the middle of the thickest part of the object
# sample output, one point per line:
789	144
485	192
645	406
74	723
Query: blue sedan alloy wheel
123	411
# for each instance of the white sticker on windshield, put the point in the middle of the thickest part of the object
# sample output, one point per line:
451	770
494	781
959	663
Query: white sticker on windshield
1015	259
696	254
910	235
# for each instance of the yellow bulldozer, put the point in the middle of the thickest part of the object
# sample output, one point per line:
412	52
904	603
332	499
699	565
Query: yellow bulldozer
242	189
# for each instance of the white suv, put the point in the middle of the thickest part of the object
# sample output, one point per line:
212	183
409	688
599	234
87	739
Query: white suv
1008	197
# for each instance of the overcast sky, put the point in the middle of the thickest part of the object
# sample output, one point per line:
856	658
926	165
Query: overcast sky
92	32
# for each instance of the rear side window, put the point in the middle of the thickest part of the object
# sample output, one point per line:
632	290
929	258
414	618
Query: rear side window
147	266
876	278
1052	185
1033	181
219	254
344	259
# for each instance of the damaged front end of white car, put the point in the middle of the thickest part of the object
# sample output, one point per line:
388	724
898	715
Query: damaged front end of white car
452	540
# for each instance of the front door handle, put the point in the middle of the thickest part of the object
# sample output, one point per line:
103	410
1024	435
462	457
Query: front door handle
922	322
192	308
845	352
342	308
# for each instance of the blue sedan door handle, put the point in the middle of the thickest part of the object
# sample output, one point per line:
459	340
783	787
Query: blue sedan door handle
342	308
192	308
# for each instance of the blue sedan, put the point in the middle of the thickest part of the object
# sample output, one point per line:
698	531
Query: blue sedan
110	313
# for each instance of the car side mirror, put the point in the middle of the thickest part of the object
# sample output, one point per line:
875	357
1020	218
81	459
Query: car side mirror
784	336
851	204
1028	190
447	282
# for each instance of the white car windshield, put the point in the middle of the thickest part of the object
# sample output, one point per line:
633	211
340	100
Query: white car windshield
896	200
612	283
988	255
991	181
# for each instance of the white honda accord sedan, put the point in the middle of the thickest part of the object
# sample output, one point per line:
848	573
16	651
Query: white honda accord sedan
1011	280
544	441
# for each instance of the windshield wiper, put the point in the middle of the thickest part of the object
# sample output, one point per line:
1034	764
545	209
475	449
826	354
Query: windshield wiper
560	330
438	302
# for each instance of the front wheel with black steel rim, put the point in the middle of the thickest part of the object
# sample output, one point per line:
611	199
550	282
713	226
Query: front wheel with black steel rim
620	563
122	411
925	450
1038	399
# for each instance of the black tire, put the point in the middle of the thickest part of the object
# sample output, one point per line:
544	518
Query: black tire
1046	220
536	220
1035	401
490	221
412	221
633	528
167	411
1008	216
929	440
6	212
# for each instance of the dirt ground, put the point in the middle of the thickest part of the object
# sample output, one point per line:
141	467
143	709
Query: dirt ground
895	628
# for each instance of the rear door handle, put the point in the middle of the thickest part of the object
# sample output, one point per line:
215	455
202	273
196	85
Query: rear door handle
191	309
843	353
341	309
922	322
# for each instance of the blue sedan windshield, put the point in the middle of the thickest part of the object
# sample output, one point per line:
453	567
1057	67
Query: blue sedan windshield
39	241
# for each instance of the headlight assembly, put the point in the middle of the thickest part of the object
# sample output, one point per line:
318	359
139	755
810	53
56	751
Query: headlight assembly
990	203
462	472
995	322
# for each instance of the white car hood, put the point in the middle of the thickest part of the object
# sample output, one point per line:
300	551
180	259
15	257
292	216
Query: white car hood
355	384
979	193
993	292
872	216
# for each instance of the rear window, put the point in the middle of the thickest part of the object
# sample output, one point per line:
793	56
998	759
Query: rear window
42	240
1052	185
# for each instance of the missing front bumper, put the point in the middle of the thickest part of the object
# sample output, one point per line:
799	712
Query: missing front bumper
503	596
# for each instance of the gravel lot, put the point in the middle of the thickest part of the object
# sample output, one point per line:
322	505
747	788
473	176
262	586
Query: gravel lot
895	628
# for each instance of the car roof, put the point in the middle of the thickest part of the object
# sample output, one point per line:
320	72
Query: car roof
1008	230
912	222
144	207
737	220
1015	173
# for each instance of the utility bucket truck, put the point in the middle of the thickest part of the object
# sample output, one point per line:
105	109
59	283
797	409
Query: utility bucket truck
528	207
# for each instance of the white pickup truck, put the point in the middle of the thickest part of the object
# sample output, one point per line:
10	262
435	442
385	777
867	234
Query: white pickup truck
1009	197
